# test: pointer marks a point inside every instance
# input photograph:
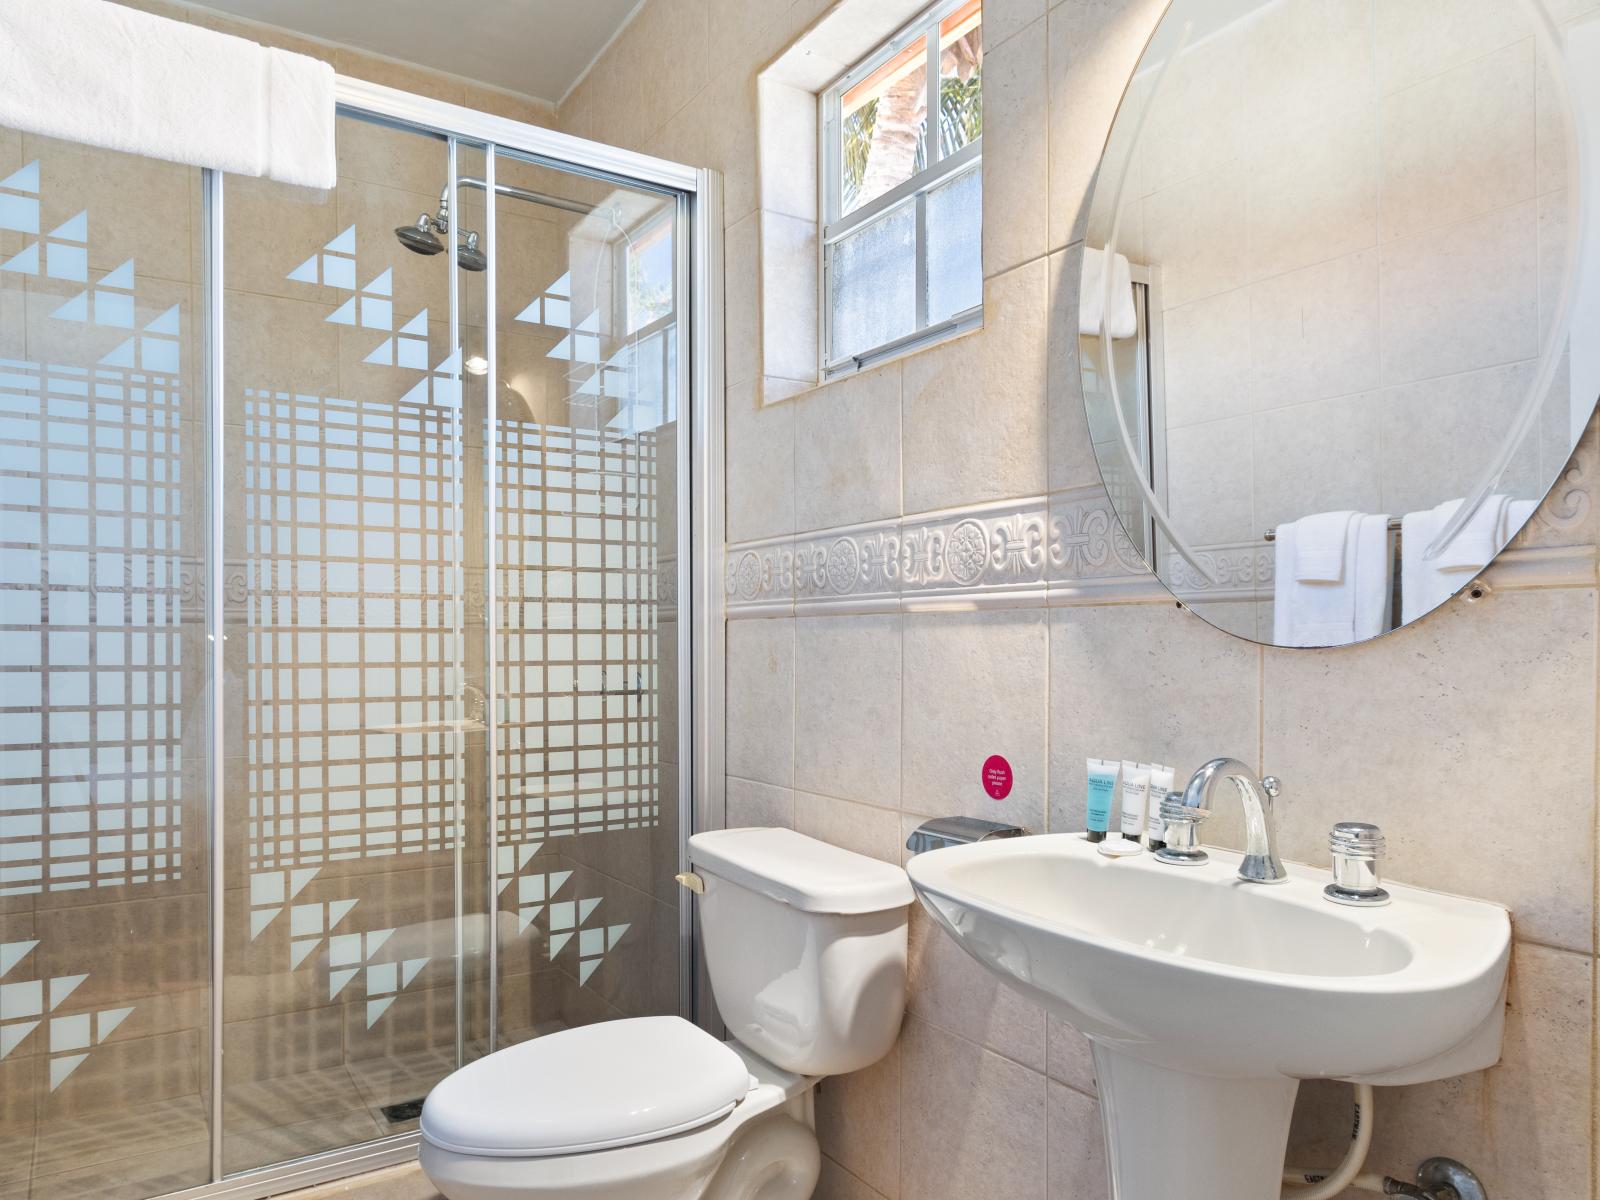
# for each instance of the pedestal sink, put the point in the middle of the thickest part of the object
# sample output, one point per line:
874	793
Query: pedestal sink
1207	1000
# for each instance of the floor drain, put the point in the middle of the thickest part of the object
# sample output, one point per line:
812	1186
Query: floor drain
405	1110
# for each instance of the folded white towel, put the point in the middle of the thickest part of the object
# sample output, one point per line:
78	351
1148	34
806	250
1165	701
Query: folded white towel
1351	608
1426	584
1124	320
1478	541
300	120
1320	543
94	72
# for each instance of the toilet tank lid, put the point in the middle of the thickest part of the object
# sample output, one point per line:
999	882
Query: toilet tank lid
802	872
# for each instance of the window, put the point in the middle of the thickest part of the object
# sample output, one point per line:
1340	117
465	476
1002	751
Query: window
903	196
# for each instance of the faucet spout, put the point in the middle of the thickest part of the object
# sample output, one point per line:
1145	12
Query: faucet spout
1261	863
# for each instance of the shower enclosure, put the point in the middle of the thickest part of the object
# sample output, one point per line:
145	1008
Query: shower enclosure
351	552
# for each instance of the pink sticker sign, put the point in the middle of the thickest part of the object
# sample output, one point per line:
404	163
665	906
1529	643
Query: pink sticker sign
996	777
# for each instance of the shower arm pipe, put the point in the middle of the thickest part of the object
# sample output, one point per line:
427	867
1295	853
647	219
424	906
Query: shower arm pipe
1549	42
1156	509
516	193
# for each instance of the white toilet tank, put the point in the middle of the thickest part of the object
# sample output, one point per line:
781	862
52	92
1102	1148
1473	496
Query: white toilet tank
806	947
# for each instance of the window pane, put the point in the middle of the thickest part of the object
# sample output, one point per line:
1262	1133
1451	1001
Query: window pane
883	128
961	77
955	237
650	275
875	283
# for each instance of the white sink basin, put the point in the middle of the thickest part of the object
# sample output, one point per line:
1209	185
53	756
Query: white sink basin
1207	999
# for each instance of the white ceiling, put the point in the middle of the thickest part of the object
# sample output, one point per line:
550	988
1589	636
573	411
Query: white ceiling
539	48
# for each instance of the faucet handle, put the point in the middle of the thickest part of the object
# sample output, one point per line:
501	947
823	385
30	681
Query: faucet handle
1182	836
1357	849
1272	786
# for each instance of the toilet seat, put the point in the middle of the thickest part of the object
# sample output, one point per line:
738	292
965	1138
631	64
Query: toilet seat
598	1087
670	1166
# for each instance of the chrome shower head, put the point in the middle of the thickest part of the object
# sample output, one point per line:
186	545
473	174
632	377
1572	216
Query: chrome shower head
469	256
420	237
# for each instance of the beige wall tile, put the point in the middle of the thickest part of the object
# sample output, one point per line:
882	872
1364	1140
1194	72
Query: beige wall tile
862	828
858	1120
1315	332
1421	39
1460	298
1077	1161
1210	491
1092	49
742	300
973	1122
1114	673
1068	1057
1071	456
847	450
760	465
761	700
1197	231
1313	192
1317	457
836	1183
1476	702
1015	154
975	685
752	803
974	408
1459	144
949	989
789	295
1207	358
1200	122
847	707
1308	59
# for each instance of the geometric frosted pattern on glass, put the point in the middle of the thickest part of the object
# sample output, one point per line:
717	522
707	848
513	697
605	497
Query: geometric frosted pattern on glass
91	611
350	675
874	283
578	652
955	241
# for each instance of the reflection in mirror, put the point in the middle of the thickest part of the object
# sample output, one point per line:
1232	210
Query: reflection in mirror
1331	261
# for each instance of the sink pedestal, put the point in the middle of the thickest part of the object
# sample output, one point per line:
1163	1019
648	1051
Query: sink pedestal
1171	1134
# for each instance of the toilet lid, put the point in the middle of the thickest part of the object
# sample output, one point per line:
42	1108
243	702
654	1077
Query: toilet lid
591	1088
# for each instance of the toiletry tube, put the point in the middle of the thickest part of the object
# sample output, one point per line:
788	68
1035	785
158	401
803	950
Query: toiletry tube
1160	785
1102	796
1135	799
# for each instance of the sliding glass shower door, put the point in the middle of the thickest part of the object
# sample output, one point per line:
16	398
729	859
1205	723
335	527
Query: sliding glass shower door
434	476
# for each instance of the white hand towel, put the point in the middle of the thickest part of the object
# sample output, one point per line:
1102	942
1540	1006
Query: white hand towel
300	116
1478	541
1092	296
1338	612
1425	584
94	72
1320	542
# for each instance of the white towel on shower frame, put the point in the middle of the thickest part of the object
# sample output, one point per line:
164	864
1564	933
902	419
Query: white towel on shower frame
1092	295
94	72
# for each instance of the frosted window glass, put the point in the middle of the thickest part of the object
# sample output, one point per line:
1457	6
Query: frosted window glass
874	283
955	240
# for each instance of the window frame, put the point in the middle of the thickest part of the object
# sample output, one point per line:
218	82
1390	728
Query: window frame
941	169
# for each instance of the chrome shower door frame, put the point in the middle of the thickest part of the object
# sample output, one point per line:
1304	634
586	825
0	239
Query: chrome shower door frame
696	590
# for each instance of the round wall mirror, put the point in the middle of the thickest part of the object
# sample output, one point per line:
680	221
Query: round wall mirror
1333	256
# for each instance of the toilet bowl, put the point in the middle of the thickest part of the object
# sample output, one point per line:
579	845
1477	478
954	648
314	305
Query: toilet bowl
806	950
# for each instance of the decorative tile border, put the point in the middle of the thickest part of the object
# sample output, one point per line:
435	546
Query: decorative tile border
1067	548
1013	553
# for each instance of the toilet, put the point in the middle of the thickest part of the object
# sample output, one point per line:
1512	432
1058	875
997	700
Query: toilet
805	945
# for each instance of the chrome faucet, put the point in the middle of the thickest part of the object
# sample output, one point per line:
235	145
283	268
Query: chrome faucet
1184	812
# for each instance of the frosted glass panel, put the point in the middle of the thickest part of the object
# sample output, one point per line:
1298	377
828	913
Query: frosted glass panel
874	283
955	242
